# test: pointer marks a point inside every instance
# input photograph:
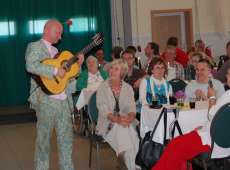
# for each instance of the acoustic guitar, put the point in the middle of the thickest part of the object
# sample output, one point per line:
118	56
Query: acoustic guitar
68	61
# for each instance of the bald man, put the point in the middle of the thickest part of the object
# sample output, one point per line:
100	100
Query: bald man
53	111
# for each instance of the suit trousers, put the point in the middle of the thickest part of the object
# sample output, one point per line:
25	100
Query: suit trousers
54	114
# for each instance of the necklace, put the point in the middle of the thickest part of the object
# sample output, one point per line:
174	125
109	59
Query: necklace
116	90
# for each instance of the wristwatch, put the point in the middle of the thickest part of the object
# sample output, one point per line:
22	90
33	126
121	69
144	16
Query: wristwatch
212	98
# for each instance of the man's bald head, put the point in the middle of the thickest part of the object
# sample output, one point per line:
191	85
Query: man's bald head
52	31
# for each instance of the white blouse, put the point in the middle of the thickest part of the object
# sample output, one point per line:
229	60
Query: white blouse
94	78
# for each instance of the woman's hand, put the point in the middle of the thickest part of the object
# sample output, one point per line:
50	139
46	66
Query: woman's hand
125	121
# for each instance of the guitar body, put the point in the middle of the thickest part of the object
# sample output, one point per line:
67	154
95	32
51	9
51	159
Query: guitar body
67	61
58	85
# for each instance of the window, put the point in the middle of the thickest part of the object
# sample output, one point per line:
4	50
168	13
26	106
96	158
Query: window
83	24
36	26
7	28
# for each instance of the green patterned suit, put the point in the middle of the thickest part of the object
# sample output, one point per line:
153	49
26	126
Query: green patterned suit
51	113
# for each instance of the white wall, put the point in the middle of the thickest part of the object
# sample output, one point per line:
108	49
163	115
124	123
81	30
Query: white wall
117	23
212	23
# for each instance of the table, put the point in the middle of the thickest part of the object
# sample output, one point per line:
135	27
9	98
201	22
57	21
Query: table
85	95
188	120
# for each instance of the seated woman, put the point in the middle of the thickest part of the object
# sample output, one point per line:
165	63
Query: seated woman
116	105
92	75
134	75
155	86
185	147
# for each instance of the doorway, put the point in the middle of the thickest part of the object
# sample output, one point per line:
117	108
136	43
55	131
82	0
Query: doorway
177	23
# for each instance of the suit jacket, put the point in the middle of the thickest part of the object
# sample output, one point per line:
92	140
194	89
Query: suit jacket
35	53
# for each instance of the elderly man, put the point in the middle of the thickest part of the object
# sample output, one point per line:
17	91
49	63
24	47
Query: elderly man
53	111
198	88
181	56
175	69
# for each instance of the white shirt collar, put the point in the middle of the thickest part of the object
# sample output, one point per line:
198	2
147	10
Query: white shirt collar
47	43
157	81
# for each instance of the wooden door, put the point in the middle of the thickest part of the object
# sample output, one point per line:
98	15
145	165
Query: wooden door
167	23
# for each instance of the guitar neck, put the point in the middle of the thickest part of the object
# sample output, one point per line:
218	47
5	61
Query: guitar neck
85	50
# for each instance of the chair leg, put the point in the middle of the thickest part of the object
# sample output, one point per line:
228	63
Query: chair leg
81	120
188	165
90	151
98	156
204	164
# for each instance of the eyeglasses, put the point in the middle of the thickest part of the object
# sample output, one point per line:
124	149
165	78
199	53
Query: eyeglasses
159	68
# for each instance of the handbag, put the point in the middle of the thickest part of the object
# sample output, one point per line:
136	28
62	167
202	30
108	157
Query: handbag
149	151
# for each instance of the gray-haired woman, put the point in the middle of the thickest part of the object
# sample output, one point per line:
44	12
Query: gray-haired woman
116	105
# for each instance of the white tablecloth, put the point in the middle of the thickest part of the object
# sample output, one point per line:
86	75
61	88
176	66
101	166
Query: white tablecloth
188	121
85	95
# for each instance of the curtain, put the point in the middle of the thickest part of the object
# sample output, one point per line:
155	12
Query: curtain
20	22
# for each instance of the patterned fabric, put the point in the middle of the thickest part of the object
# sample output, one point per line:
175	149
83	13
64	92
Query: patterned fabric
146	91
159	92
53	52
56	115
178	71
190	73
51	113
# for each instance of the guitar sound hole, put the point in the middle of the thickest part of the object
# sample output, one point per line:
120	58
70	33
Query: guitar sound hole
65	66
55	78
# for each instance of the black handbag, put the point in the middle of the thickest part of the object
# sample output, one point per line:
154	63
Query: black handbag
149	151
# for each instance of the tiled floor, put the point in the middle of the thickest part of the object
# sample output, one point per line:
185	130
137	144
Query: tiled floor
17	150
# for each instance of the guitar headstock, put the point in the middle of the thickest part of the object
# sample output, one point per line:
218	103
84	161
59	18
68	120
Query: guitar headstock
98	39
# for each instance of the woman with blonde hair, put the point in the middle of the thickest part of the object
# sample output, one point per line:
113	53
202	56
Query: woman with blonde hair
117	110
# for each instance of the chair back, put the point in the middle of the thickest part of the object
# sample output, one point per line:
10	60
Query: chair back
220	127
177	84
92	109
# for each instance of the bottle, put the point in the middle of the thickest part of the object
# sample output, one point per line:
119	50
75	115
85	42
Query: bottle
154	101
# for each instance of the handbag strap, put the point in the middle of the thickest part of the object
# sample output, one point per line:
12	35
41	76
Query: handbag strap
165	127
176	125
164	111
